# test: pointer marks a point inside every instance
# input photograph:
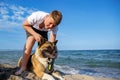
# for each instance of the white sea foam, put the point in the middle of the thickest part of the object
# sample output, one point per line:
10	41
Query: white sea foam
66	69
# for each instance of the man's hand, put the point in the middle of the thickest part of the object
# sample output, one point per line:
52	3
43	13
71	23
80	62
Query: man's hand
39	38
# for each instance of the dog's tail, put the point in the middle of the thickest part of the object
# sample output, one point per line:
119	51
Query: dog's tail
19	62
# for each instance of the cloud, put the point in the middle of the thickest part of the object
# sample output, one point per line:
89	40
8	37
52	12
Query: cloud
12	16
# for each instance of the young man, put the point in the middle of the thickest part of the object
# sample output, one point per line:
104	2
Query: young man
36	26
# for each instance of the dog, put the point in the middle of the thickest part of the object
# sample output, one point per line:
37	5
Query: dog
41	62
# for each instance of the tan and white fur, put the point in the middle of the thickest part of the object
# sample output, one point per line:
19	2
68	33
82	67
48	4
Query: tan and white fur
39	61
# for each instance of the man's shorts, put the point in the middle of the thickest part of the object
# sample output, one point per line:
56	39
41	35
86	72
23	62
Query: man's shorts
42	33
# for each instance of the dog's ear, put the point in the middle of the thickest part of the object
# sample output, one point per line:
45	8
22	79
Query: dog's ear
55	42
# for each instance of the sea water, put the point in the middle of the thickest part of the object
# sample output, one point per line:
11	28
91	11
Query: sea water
104	63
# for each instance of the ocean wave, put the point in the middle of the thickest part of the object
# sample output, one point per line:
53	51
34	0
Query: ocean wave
66	69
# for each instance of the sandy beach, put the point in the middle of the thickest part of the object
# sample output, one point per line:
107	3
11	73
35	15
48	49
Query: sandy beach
86	77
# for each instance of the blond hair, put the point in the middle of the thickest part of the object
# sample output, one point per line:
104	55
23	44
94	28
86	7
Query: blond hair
57	16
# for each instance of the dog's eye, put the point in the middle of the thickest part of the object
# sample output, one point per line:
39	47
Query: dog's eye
44	53
54	51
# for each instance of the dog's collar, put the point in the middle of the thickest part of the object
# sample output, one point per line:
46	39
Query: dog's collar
49	69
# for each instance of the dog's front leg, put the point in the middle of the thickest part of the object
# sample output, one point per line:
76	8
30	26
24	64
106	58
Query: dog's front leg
47	77
58	75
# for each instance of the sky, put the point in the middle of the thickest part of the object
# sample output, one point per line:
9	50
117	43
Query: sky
86	24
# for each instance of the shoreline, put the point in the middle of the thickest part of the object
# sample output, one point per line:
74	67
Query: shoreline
7	73
93	63
86	77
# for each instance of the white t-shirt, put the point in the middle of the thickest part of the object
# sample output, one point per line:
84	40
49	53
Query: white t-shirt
36	18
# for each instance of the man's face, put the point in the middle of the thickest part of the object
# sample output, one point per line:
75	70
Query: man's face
49	22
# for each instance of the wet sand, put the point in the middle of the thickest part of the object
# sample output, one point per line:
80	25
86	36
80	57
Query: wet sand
86	77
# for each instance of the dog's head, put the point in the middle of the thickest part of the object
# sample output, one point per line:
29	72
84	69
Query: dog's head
47	50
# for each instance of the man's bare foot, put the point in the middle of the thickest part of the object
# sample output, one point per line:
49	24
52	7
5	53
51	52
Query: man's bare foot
19	72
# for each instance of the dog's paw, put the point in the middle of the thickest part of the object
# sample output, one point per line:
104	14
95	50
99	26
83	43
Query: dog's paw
47	77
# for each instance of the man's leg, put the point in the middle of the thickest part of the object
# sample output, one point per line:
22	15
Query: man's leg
27	51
